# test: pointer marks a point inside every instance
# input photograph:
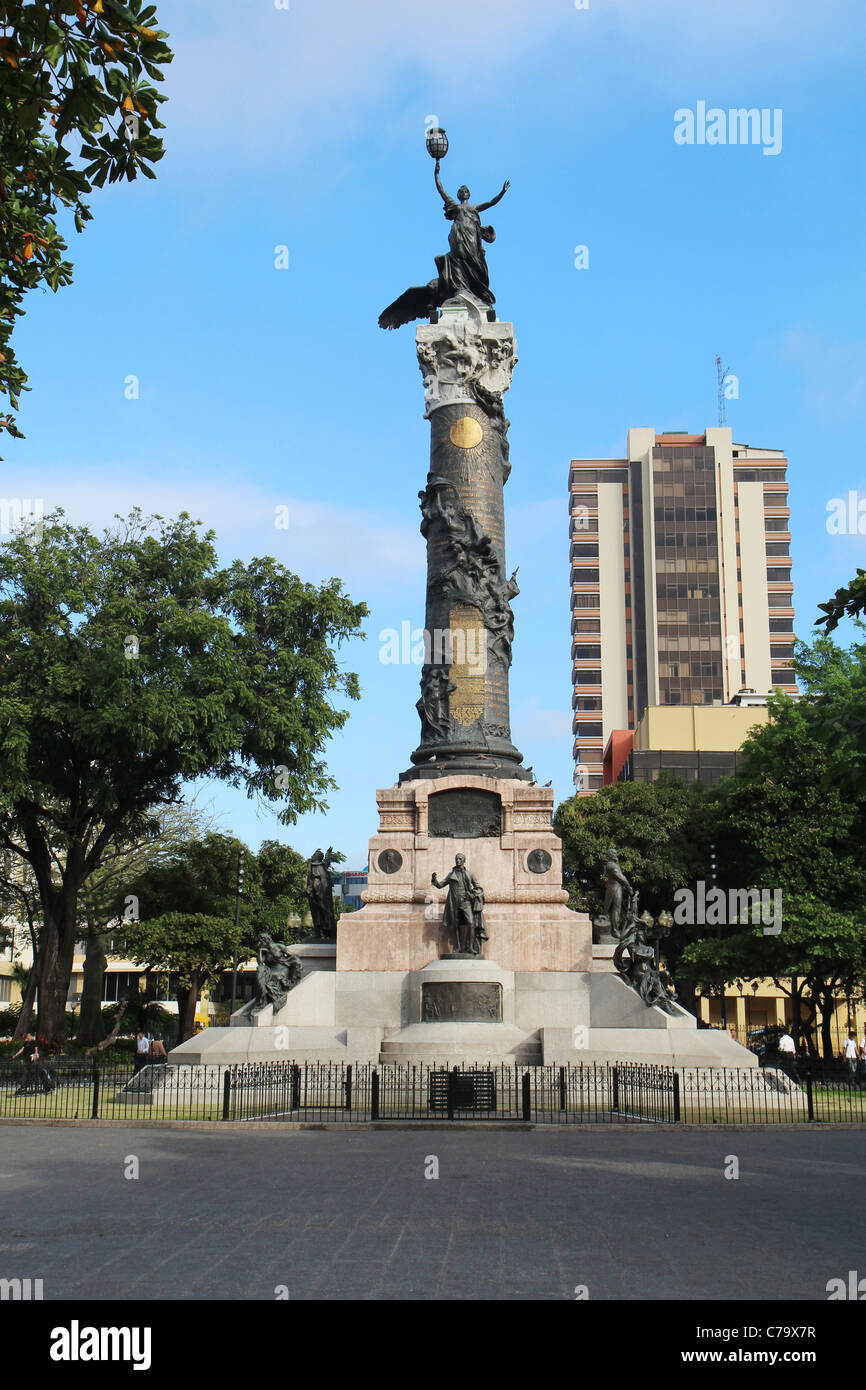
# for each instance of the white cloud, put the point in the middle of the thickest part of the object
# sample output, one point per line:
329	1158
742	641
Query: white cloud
833	374
279	84
530	721
368	551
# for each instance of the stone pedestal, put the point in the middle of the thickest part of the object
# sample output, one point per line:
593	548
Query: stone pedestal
517	861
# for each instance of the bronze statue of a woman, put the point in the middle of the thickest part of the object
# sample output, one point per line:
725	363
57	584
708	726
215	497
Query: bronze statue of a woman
463	267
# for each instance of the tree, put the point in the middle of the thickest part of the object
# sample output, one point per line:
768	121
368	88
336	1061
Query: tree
835	681
788	821
19	899
105	900
79	70
849	602
662	832
820	952
193	946
283	878
130	663
196	885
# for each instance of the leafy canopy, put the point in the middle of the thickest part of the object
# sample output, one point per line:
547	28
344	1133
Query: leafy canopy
131	662
77	107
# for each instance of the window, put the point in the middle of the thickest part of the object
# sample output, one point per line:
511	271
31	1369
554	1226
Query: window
587	653
584	552
587	677
5	989
780	600
586	601
116	983
783	677
777	548
776	523
588	731
584	499
782	625
780	653
582	576
778	576
589	702
588	625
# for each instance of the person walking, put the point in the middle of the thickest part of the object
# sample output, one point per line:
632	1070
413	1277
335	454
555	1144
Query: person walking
142	1051
788	1056
851	1053
36	1078
158	1055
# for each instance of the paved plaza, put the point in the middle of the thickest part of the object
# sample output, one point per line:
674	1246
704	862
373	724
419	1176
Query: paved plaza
628	1213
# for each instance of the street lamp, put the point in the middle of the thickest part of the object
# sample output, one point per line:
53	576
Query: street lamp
723	1006
437	142
238	895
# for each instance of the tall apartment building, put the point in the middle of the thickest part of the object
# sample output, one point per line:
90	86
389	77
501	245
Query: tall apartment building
681	588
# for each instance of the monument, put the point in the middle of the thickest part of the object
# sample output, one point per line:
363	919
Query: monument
465	948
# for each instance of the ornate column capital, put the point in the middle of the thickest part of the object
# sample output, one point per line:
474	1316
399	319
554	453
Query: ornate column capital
465	358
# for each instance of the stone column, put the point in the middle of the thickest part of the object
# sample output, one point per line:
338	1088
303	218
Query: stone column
466	359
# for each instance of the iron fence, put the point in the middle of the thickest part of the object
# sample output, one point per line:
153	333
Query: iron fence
336	1092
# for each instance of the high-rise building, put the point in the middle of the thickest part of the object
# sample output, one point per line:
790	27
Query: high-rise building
681	588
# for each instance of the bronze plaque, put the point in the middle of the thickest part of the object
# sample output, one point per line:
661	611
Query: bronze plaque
538	861
465	813
461	1001
390	860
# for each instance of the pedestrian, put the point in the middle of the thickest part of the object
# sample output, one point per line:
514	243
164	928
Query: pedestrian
851	1053
158	1054
788	1056
36	1078
142	1050
861	1066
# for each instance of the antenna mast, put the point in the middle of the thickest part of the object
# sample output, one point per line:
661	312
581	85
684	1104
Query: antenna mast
721	373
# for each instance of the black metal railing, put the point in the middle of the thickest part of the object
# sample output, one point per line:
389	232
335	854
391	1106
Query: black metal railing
337	1092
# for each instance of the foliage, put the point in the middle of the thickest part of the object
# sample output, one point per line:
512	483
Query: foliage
193	945
788	820
661	831
130	663
76	73
283	877
849	602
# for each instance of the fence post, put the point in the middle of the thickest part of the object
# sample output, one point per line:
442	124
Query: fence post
374	1095
614	1099
452	1077
810	1100
94	1110
227	1091
296	1086
527	1102
676	1097
563	1092
349	1086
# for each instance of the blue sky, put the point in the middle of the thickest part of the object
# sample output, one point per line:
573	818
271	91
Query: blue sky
261	388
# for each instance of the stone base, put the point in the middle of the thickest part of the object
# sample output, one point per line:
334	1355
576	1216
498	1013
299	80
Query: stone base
407	936
492	1044
554	1017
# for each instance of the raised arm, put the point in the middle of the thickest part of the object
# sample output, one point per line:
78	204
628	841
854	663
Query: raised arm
482	207
446	198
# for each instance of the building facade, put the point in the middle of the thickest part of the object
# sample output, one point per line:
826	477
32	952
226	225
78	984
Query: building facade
681	587
697	743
